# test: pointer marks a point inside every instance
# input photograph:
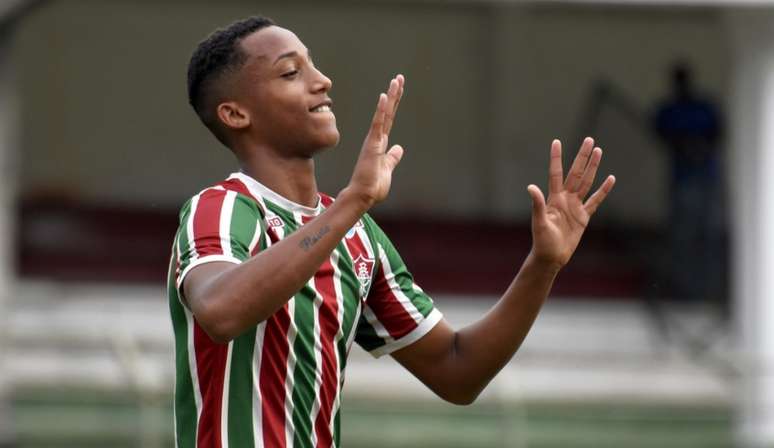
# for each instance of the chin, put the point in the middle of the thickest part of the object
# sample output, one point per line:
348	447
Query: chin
319	144
330	139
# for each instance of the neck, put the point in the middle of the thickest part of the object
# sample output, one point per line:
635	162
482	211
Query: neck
291	177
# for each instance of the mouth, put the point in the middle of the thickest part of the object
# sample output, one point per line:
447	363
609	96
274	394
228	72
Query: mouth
325	106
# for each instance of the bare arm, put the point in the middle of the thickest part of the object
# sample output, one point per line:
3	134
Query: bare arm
228	299
458	365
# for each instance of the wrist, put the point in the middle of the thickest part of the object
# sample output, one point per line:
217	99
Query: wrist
350	198
547	265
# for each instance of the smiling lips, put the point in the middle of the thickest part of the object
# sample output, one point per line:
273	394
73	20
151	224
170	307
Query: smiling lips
325	106
322	108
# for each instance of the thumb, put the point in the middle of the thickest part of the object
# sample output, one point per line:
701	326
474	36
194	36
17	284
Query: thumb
538	200
393	156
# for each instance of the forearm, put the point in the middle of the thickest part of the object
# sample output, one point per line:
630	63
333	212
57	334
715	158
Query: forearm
244	295
481	349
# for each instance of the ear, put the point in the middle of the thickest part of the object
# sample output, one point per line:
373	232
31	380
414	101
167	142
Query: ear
233	116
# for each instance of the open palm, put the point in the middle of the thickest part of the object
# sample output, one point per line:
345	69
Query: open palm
558	223
372	175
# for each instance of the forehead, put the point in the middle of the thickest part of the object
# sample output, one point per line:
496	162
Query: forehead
267	44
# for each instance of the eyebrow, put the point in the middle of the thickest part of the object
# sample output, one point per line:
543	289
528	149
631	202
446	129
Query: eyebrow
291	54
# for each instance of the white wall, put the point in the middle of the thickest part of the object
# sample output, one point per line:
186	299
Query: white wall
106	118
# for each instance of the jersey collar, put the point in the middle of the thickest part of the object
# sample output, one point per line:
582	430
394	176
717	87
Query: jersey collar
256	187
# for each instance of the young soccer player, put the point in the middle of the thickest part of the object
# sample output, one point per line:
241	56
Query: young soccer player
272	281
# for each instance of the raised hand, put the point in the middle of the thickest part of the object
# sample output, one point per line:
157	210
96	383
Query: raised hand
373	171
558	224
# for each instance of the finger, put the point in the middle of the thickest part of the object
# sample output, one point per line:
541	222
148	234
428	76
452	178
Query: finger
538	201
573	181
388	126
593	203
591	172
393	156
393	97
388	109
555	168
377	123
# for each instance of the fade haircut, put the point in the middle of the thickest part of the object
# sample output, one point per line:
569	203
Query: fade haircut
217	55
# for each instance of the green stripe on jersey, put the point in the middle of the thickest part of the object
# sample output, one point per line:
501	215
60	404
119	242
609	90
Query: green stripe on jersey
244	220
366	335
286	216
337	427
306	367
240	393
185	405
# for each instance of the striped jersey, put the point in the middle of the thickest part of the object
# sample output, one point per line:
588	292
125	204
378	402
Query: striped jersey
279	384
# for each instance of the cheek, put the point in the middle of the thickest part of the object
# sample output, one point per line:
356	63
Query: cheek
275	103
272	115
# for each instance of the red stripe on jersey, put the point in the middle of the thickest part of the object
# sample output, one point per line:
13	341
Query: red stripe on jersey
211	370
387	308
329	325
326	200
274	360
356	247
237	186
206	223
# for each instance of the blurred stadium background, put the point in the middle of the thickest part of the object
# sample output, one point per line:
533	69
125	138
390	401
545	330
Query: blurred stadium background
98	149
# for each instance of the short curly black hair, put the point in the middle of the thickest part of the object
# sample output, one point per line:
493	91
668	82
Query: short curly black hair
215	56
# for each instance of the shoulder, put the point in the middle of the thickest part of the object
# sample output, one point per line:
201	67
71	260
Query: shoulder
216	199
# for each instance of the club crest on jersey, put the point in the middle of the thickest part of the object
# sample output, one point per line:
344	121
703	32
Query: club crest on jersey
364	269
351	232
274	221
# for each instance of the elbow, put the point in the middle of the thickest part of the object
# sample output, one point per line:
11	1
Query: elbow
224	319
460	396
216	323
218	334
463	400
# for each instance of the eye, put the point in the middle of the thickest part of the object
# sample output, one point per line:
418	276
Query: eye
290	74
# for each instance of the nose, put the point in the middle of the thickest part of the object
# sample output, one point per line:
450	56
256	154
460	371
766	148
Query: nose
321	83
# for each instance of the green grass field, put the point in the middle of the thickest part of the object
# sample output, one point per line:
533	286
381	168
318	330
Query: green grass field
67	419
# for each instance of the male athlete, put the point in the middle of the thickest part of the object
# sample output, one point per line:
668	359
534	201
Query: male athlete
271	281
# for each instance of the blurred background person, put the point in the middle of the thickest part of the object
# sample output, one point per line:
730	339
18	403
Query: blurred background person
690	126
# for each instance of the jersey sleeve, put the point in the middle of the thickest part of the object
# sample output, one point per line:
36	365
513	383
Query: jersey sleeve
396	312
217	225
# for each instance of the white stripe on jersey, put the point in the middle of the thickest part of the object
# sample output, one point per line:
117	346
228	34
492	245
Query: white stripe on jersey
396	289
339	335
192	366
260	331
317	359
289	380
353	332
190	230
224	398
291	337
224	227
